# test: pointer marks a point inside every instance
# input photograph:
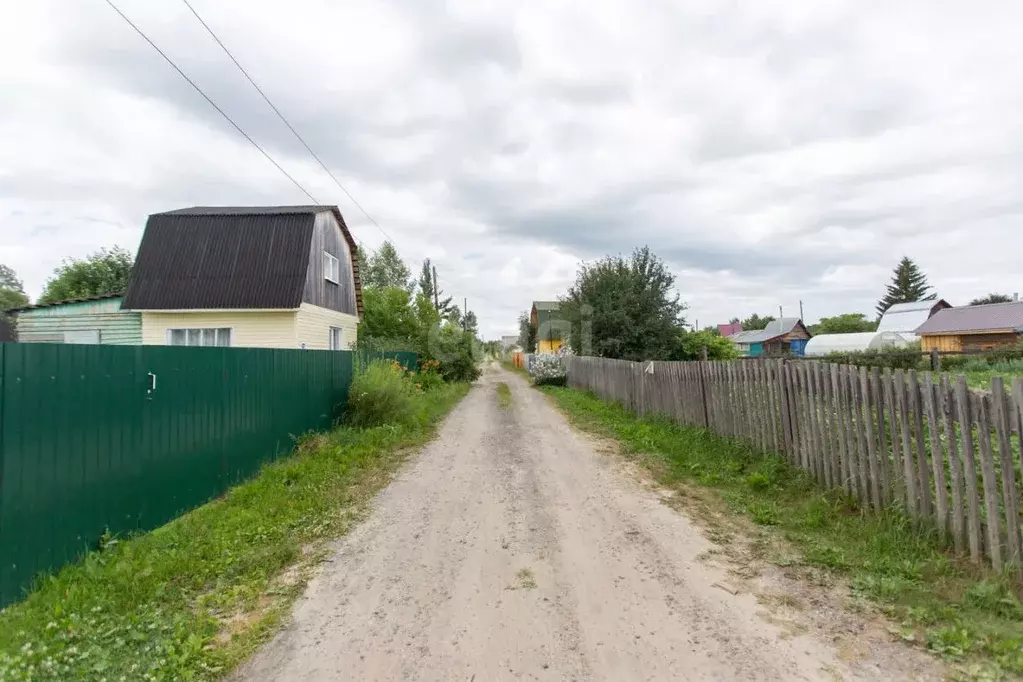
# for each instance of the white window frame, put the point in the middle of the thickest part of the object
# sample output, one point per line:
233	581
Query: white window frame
331	268
334	338
203	331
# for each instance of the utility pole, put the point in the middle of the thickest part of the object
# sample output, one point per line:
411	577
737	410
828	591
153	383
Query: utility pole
781	313
465	314
436	298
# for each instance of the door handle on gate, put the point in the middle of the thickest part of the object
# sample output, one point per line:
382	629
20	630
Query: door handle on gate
152	382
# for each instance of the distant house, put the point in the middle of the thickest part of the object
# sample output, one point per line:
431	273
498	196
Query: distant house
509	342
273	277
551	331
973	328
729	329
95	320
785	336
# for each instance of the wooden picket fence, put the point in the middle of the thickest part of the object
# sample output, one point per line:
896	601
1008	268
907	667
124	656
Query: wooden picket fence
924	443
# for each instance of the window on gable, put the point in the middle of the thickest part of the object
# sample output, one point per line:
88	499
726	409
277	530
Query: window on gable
199	337
331	268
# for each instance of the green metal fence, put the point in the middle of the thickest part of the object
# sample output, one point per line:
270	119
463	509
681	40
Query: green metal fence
126	438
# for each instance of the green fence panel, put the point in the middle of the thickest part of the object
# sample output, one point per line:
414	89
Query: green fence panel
88	444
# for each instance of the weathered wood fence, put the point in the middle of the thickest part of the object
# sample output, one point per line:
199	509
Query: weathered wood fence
947	455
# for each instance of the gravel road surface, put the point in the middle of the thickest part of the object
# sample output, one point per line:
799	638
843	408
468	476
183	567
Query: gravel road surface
512	549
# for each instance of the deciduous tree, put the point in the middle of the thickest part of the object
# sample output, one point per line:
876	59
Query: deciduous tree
624	308
755	322
12	291
847	323
385	268
103	272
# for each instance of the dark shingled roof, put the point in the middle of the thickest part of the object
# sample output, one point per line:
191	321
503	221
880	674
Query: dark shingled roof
975	318
228	257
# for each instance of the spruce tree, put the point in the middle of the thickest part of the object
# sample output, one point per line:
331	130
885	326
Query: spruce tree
909	284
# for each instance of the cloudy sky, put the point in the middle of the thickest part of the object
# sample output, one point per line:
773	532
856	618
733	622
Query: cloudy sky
770	152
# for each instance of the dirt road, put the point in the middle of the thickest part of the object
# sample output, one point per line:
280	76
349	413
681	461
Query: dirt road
511	550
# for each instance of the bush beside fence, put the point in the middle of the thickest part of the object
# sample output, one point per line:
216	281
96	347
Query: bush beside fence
946	455
125	438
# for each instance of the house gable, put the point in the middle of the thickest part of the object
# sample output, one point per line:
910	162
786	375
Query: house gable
345	295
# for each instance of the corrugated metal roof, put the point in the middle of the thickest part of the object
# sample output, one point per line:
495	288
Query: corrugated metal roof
906	317
84	299
975	318
228	257
773	329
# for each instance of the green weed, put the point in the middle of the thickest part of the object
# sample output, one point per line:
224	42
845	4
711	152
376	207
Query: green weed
949	605
191	599
504	395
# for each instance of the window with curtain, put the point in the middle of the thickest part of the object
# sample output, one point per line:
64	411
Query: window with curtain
199	337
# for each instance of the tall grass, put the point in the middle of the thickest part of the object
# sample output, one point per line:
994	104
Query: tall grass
955	609
381	393
191	599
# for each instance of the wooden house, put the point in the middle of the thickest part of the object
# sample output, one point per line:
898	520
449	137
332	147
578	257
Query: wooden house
787	336
973	328
271	277
551	330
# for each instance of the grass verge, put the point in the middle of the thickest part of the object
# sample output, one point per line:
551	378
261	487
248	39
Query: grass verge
191	599
504	395
944	603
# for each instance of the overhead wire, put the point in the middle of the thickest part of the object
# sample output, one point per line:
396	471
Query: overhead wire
298	136
211	102
272	106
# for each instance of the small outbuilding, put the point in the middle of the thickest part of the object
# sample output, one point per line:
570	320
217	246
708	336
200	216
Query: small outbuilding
780	337
94	320
973	328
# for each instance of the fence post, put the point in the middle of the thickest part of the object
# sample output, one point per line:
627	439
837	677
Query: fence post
703	389
935	360
786	415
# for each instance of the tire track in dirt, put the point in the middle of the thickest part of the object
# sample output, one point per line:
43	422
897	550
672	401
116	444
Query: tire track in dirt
510	549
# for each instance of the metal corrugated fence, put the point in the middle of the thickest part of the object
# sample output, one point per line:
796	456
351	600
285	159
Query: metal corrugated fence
86	443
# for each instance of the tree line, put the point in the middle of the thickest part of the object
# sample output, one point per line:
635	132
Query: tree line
627	308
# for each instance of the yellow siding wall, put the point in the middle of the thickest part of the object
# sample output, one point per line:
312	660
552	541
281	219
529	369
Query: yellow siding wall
270	329
313	325
552	346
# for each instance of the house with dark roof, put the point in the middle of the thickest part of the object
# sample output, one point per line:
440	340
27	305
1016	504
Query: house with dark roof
551	330
787	336
973	328
264	276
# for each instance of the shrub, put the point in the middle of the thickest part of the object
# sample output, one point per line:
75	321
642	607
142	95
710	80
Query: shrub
453	350
549	369
893	358
380	394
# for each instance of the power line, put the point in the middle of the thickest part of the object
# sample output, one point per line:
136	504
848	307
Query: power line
285	120
298	136
212	103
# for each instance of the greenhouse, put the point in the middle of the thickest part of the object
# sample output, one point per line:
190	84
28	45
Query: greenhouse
826	344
